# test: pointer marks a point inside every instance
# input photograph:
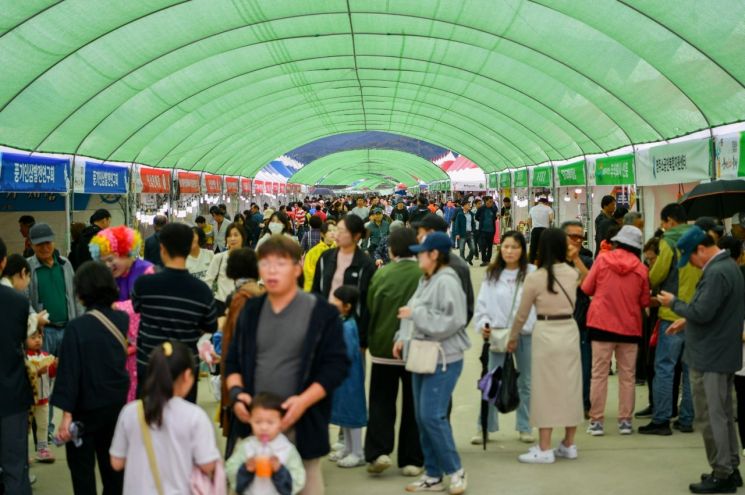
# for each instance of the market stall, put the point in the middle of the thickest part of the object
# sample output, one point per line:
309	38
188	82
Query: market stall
152	190
100	185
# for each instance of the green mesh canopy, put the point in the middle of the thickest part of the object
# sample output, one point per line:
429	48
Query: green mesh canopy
225	86
345	167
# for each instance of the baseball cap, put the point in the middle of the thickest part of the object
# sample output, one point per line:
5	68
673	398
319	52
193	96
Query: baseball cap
710	223
41	233
436	241
630	236
375	211
688	244
430	221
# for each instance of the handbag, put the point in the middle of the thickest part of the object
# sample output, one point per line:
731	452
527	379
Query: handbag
200	483
508	397
499	337
422	357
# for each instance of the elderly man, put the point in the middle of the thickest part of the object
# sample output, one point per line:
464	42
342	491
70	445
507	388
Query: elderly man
713	321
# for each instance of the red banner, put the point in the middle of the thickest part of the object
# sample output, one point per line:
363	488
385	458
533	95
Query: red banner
188	183
155	180
259	187
245	186
213	184
282	188
275	187
232	185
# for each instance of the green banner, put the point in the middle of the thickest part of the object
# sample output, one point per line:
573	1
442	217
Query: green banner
504	179
448	185
541	176
615	170
571	174
521	178
492	181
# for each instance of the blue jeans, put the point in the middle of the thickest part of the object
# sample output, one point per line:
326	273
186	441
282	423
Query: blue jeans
669	351
431	398
52	339
522	358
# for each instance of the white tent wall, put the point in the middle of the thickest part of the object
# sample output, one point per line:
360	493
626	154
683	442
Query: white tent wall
654	198
9	229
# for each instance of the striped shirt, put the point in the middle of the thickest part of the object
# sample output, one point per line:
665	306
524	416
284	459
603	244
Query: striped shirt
299	215
173	305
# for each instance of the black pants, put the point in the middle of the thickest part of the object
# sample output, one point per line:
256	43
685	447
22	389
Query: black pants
740	398
14	453
476	243
379	439
487	243
98	431
535	237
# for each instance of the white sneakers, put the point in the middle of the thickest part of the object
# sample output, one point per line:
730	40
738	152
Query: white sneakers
478	439
351	461
379	465
458	484
537	456
412	470
526	437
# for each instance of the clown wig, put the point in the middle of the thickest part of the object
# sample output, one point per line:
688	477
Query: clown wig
120	241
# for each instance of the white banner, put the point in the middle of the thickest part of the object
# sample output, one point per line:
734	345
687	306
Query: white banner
676	163
727	159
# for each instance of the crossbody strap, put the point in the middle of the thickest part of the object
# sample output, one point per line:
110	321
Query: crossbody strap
565	293
109	325
148	443
512	306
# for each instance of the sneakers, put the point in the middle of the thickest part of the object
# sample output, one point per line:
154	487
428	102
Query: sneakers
458	482
662	429
44	456
411	470
479	439
712	484
379	465
526	437
596	429
537	456
681	427
337	455
644	413
625	428
735	476
351	461
566	452
426	484
337	446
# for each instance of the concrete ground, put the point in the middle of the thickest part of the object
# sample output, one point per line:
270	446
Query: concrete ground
607	465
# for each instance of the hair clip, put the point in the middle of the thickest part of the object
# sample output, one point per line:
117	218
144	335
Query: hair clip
167	349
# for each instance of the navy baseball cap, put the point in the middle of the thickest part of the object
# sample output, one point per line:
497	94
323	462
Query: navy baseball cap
688	244
436	241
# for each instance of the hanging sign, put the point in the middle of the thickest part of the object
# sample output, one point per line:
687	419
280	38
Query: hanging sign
521	178
541	176
730	156
571	174
259	186
232	185
282	188
505	179
155	180
675	163
24	173
101	178
614	170
189	183
275	187
245	186
212	184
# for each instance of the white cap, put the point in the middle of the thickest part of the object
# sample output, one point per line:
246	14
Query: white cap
630	236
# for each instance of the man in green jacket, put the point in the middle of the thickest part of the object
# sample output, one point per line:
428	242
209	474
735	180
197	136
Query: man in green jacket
390	288
681	282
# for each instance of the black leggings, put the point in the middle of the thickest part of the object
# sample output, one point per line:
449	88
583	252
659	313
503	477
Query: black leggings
740	393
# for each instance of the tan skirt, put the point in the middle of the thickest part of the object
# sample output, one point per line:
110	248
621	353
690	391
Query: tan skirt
556	375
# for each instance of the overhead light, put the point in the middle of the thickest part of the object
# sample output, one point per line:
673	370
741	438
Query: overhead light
578	190
567	198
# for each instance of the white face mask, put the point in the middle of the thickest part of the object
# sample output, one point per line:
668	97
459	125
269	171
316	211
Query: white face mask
276	228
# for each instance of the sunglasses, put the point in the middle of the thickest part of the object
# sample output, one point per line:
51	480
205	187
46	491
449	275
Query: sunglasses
576	237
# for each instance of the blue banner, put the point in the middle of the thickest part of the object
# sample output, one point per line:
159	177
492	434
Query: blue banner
23	173
105	179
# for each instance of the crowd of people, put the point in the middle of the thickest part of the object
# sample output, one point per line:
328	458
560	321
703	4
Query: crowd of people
284	307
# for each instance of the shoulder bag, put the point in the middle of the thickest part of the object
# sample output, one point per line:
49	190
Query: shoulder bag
499	337
422	357
109	325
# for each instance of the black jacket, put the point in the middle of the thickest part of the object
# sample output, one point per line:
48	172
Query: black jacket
15	388
486	220
152	250
359	274
92	370
80	252
324	362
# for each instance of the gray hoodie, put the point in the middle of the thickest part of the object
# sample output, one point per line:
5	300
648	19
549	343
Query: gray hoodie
438	312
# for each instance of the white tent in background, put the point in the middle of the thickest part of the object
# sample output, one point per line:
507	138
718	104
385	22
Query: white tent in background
465	175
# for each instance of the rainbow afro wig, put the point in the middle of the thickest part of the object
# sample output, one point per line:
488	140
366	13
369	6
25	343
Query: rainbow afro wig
120	241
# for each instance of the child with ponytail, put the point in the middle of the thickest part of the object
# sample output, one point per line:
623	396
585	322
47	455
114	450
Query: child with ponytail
160	439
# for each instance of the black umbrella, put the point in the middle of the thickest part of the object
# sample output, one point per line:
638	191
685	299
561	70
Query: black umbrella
484	417
719	199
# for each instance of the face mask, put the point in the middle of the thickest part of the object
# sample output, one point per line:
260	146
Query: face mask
276	228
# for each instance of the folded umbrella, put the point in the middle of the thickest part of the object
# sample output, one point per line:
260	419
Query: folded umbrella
484	416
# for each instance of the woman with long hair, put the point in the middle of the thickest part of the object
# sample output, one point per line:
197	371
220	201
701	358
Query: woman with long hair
556	371
180	434
279	223
216	277
496	306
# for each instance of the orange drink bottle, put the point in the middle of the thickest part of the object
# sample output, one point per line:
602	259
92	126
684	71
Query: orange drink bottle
264	461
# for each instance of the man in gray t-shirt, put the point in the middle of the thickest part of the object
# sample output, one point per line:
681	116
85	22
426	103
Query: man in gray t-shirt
280	340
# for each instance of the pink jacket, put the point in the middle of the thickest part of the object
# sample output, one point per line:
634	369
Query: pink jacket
619	287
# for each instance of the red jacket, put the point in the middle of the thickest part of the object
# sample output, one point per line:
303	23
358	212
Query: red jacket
619	286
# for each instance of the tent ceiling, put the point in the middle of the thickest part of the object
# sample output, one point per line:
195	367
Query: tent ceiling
344	167
226	86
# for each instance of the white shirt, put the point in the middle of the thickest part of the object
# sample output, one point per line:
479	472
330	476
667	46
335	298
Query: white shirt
216	271
199	265
494	304
185	439
541	216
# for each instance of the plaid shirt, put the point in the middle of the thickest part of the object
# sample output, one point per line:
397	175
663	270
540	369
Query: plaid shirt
310	239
